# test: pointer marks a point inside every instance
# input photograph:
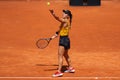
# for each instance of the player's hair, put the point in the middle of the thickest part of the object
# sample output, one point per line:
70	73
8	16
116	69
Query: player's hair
70	19
69	14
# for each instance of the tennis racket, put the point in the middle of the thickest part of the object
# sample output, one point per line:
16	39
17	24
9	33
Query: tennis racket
43	43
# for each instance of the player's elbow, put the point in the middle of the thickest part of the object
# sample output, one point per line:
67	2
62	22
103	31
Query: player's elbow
58	19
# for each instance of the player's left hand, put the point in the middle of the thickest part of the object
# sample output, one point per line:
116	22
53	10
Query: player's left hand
51	11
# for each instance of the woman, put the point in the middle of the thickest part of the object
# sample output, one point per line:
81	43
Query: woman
64	42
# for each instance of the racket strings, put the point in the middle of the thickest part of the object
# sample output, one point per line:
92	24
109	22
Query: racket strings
42	43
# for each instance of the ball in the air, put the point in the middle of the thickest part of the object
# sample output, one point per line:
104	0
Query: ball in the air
48	3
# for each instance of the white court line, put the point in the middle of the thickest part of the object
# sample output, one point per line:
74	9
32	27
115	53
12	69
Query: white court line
60	77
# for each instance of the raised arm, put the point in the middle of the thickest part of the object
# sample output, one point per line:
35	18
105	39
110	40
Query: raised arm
56	17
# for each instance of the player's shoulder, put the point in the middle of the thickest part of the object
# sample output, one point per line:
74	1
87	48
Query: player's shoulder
64	20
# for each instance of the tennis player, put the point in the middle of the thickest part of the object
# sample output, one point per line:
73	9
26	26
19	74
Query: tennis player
64	41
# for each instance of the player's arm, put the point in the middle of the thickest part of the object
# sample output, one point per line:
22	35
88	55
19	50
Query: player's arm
56	17
55	35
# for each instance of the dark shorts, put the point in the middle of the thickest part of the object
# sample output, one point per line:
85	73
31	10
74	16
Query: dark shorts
65	42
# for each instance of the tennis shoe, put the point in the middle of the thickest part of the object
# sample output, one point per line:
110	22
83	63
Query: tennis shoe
70	70
57	74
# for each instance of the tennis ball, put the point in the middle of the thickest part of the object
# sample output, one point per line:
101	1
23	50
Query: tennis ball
48	3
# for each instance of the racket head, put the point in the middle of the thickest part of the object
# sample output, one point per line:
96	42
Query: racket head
43	43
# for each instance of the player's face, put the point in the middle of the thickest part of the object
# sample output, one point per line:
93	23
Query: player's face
65	15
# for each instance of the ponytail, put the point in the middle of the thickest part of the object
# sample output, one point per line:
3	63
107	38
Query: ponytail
70	19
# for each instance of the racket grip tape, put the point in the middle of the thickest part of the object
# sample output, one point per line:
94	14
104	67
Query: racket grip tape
50	38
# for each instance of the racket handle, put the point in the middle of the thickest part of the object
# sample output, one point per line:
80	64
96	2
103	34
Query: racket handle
50	38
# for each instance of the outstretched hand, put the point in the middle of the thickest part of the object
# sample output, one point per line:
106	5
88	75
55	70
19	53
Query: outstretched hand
51	11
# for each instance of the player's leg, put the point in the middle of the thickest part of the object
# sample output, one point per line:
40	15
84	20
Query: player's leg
60	61
60	57
68	60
